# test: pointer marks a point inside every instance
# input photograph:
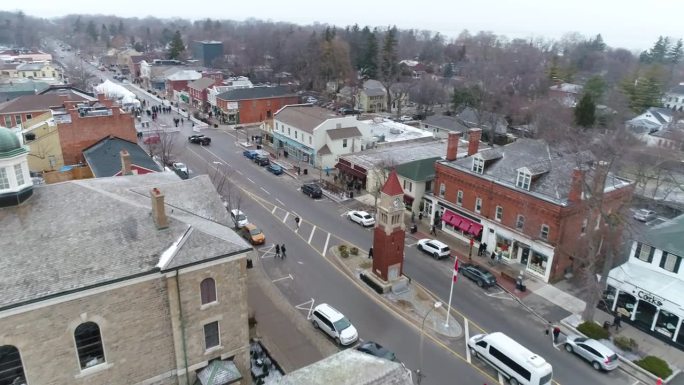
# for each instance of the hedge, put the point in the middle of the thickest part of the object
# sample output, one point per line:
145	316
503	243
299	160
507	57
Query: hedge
593	330
371	283
655	365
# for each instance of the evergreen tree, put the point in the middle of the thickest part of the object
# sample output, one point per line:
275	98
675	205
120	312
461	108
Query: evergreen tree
176	47
78	25
91	30
121	27
389	64
674	55
597	43
643	92
448	71
368	60
585	112
595	87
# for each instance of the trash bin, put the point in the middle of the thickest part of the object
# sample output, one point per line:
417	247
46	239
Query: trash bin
249	264
351	194
519	285
306	171
258	147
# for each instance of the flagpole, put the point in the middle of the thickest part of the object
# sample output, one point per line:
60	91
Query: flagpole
451	291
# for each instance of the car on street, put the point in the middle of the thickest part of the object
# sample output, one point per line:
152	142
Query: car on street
434	248
253	234
377	350
181	170
405	118
239	218
361	217
250	154
311	100
334	324
152	139
262	160
478	274
644	215
274	169
599	355
312	190
199	139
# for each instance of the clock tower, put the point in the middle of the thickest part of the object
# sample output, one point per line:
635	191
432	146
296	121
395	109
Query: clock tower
389	231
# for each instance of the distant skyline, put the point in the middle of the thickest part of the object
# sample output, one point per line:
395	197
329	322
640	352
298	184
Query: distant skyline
630	24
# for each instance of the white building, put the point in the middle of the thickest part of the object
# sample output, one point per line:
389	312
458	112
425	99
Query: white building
648	289
674	98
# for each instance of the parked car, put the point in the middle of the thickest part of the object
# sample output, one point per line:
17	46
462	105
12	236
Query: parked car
262	160
181	170
434	247
405	118
253	234
238	217
152	139
311	100
478	274
600	356
249	154
199	139
312	190
644	215
334	324
274	169
361	217
375	349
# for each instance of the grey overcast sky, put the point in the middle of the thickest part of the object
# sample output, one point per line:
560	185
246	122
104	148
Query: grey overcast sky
633	24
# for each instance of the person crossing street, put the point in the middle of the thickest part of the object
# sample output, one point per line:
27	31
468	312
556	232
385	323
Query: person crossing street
282	250
277	250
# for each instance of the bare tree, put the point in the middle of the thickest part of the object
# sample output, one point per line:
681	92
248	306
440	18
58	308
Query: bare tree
380	174
77	75
231	194
160	146
428	92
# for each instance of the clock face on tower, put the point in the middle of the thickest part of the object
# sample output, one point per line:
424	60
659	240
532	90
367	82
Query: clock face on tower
396	203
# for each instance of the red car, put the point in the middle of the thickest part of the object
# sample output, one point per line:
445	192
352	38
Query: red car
155	139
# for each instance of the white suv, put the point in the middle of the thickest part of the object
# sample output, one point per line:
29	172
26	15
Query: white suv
434	247
334	324
239	218
362	218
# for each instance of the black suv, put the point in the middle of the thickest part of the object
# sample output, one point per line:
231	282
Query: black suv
312	190
262	160
199	139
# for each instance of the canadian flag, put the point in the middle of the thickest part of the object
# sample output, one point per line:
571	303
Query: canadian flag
456	270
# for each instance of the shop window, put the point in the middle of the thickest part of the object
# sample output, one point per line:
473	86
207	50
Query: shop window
89	345
478	205
538	262
625	304
499	213
442	189
408	185
478	165
11	367
544	232
669	262
644	252
644	315
208	291
608	297
680	336
503	246
459	198
344	143
211	335
524	180
520	222
666	324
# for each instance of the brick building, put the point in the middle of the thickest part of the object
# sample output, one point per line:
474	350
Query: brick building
178	81
17	111
253	105
525	201
117	288
198	92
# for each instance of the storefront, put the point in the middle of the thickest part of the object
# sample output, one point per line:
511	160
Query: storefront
648	300
294	151
459	224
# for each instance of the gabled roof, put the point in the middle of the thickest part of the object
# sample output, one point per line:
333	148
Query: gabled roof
201	84
667	236
108	221
473	118
104	157
445	122
392	185
255	93
374	88
677	90
419	170
325	150
31	66
344	133
30	103
304	117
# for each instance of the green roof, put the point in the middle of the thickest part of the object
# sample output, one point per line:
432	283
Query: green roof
9	144
418	170
667	236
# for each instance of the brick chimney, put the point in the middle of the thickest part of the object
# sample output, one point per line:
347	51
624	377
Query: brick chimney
576	186
600	175
452	145
125	163
474	135
101	98
158	209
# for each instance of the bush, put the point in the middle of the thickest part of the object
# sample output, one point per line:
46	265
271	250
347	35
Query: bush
344	251
593	330
354	251
371	283
655	365
624	343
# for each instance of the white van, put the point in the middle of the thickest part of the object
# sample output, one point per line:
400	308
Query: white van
334	324
514	361
239	218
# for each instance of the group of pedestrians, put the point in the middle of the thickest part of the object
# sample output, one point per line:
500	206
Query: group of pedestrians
280	251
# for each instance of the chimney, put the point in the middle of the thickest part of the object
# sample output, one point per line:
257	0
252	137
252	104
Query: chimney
600	175
101	98
474	135
158	209
576	186
125	163
452	145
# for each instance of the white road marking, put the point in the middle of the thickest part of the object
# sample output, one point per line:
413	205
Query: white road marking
312	233
289	276
274	209
501	379
325	248
287	214
308	306
279	201
250	180
265	191
467	337
238	171
345	214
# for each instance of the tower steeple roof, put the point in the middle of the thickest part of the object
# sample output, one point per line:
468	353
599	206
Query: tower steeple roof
392	185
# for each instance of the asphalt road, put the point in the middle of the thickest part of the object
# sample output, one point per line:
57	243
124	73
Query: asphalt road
307	275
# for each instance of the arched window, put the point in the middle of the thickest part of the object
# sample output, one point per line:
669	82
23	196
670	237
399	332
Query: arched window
208	291
11	368
89	345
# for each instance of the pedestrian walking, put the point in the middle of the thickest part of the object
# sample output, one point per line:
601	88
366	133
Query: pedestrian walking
282	250
413	216
480	249
182	121
277	253
297	221
493	256
370	253
433	230
556	333
617	321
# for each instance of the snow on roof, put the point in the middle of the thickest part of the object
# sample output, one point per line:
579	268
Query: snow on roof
662	285
392	131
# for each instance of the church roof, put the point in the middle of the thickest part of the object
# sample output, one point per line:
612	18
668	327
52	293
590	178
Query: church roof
392	186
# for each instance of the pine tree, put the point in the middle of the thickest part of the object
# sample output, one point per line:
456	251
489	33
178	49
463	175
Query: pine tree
389	66
176	47
368	60
91	30
674	55
585	112
595	87
78	25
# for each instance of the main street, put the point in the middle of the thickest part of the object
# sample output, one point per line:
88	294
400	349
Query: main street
307	275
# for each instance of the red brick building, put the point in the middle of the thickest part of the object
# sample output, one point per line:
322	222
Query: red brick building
17	111
198	92
253	105
525	201
81	125
178	81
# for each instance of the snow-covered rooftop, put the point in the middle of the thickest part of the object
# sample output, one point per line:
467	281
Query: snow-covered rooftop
391	131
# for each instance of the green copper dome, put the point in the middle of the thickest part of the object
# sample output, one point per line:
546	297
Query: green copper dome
9	143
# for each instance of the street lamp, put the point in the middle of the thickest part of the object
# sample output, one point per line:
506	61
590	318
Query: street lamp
419	372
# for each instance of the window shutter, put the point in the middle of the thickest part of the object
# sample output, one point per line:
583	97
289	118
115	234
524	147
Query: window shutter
637	253
650	255
663	259
677	263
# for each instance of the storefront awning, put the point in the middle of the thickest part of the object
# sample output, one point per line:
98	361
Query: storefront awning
461	223
408	199
350	170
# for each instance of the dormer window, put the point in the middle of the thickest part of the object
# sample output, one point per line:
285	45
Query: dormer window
478	165
524	180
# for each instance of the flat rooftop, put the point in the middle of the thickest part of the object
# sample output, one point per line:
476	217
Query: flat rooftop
394	131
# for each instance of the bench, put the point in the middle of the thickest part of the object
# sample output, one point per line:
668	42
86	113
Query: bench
507	277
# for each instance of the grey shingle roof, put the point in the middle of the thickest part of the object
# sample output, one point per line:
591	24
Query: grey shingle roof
255	93
325	150
104	157
79	234
445	122
343	133
201	84
30	103
667	236
305	118
678	90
